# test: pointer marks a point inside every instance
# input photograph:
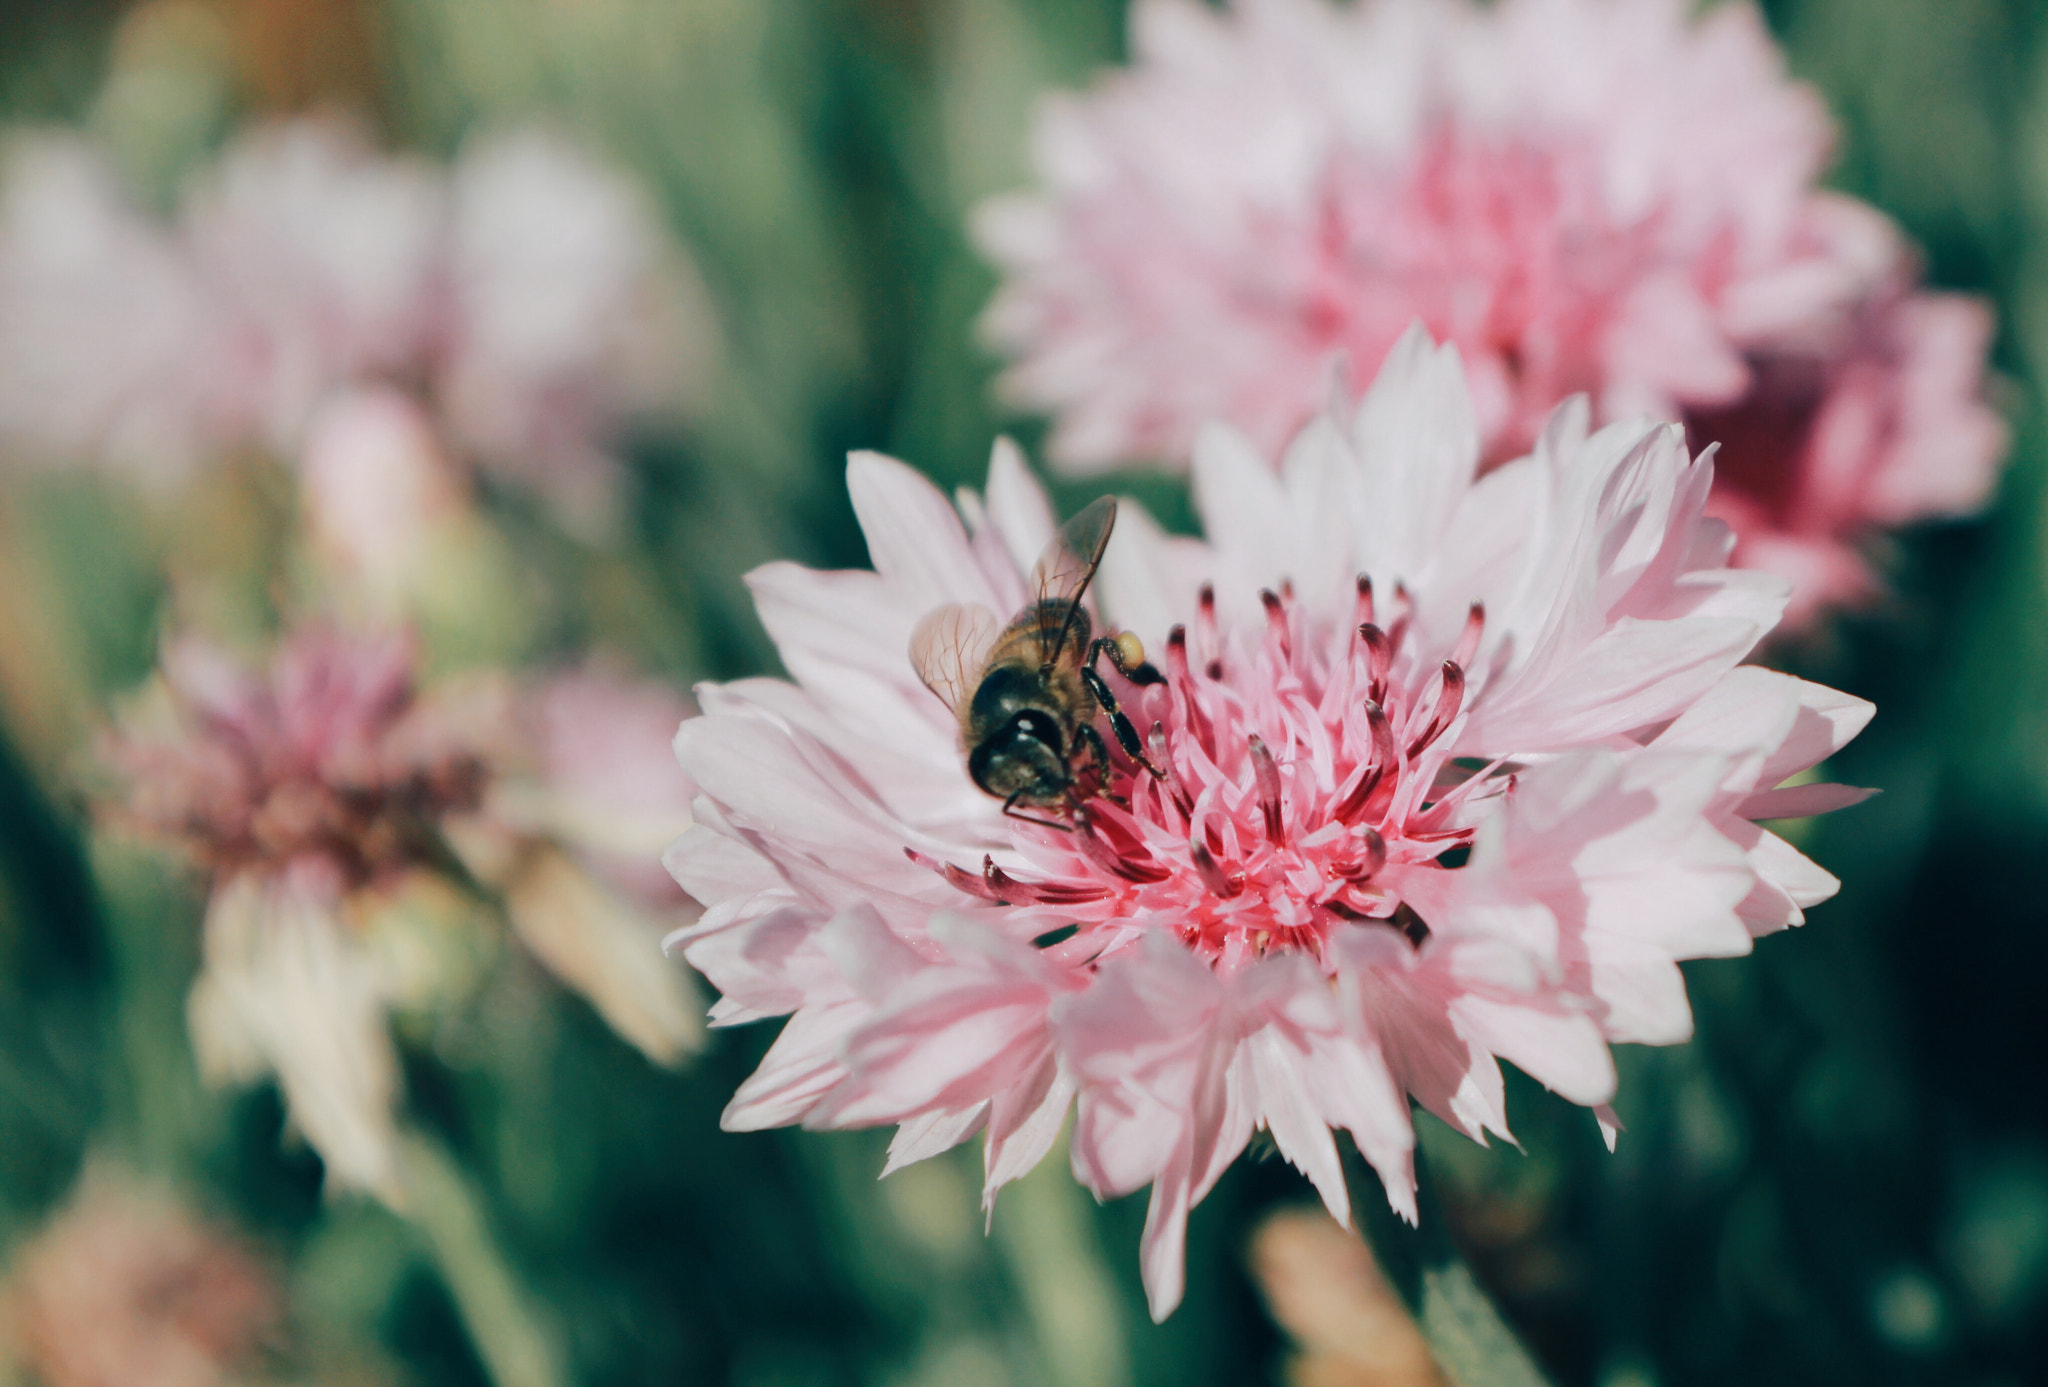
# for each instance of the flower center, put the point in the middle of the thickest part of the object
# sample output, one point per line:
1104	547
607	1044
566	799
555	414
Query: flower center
1302	771
363	829
1503	246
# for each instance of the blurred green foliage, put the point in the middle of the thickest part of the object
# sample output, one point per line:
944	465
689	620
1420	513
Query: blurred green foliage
1844	1178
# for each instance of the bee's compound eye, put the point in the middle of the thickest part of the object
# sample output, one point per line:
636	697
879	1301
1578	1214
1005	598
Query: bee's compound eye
1129	649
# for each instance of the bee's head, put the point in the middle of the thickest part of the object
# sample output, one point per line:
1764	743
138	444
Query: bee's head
1025	757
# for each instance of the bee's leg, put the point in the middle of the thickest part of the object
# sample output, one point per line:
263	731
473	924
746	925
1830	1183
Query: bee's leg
1126	735
1011	810
1097	748
1135	668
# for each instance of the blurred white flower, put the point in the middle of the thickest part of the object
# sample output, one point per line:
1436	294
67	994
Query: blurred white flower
105	331
528	299
611	787
572	311
286	989
321	256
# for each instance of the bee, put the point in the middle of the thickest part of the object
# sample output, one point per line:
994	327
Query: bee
1027	694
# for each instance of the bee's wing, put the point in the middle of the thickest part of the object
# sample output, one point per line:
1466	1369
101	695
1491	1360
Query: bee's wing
951	646
1068	565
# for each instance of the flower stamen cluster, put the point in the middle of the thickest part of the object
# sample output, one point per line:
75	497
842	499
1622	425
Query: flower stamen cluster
1292	774
334	759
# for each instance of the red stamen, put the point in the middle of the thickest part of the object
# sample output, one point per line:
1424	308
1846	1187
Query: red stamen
1092	832
1267	774
1374	771
1180	677
1001	884
1468	639
1016	892
1448	700
1162	757
957	878
1213	836
1276	624
1226	885
1382	794
1177	654
1205	630
1374	857
1379	658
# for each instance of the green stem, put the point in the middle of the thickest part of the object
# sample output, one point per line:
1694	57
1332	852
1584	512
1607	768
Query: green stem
504	1326
1472	1341
1042	1228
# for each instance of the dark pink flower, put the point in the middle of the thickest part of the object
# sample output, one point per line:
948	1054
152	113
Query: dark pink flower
1606	197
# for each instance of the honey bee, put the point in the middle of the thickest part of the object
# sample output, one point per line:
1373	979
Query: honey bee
1027	694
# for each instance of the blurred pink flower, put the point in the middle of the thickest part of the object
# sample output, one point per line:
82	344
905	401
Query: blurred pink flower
379	495
107	340
528	295
1475	808
1884	428
126	1288
572	311
317	256
303	793
1597	196
613	787
322	794
331	763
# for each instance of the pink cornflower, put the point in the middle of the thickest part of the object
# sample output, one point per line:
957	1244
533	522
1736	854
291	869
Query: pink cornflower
327	800
527	296
1598	196
1451	769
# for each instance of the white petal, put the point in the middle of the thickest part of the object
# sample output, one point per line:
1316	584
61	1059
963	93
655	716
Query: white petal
1418	443
931	1134
914	538
799	1068
283	970
1018	508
